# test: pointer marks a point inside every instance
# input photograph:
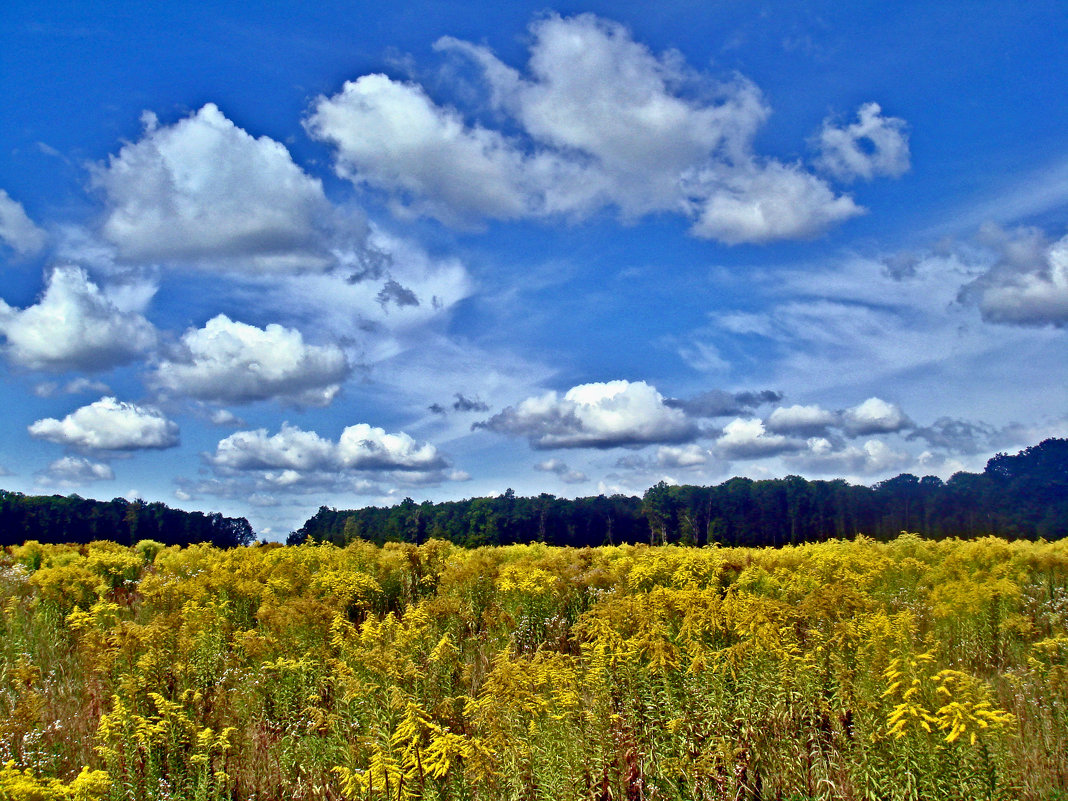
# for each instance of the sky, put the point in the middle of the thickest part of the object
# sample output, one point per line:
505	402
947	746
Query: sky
259	258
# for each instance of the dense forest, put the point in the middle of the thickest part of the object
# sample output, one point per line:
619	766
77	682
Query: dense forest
73	519
1024	495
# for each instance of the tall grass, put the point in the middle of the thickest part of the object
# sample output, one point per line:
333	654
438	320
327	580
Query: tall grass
845	670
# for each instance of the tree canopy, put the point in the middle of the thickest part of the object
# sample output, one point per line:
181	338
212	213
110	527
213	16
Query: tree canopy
73	519
1024	495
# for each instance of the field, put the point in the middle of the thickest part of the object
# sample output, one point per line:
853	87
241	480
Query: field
910	669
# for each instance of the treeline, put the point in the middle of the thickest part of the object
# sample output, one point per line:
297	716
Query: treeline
73	519
1024	495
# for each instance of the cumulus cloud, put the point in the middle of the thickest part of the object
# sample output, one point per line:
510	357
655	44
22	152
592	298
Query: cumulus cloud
598	415
874	416
802	420
109	425
391	135
1028	283
75	325
224	417
205	191
682	456
597	121
764	201
294	460
232	362
74	471
17	230
365	447
969	438
566	474
825	457
748	439
290	449
717	403
874	145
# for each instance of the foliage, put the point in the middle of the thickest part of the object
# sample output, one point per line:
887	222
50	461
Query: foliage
847	669
1024	495
73	519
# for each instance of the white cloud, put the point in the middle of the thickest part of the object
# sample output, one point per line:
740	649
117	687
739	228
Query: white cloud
675	456
717	403
76	386
1028	284
945	466
800	419
601	122
874	416
17	229
204	189
294	462
293	452
764	202
332	305
594	89
566	474
365	447
851	329
289	449
429	365
597	415
228	361
874	145
74	471
74	326
875	329
224	417
109	425
703	356
747	439
391	135
823	457
965	437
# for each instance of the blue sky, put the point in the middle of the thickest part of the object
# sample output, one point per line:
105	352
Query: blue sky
262	257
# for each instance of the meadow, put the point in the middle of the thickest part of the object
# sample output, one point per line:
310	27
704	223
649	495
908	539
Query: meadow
908	669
